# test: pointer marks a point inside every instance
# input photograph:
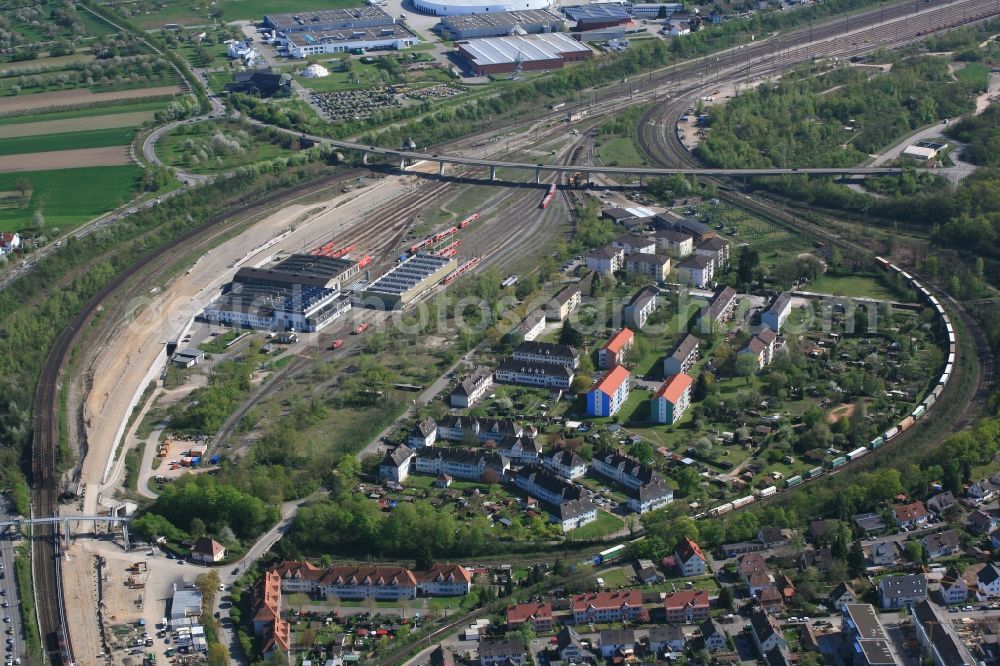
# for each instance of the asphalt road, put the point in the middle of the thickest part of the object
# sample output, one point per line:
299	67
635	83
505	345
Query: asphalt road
10	601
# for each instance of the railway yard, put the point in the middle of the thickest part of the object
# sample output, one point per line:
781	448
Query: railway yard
320	286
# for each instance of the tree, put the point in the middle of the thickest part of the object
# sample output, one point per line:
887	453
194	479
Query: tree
569	335
747	365
23	188
748	261
581	383
642	451
217	655
856	559
704	385
915	551
37	221
197	528
725	597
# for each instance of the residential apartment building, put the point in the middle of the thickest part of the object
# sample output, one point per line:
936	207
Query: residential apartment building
616	643
937	637
423	434
683	357
775	315
954	589
547	352
520	450
717	249
610	606
719	310
570	509
644	487
456	428
529	373
654	266
634	244
529	329
615	350
902	591
674	243
671	400
565	463
988	582
761	348
501	652
650	496
378	582
396	464
609	393
472	388
766	632
606	260
696	271
687	606
537	614
460	463
869	642
563	303
444	580
265	603
941	544
666	638
690	560
639	309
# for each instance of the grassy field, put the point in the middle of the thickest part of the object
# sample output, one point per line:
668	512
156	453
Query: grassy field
850	285
74	125
620	151
120	136
94	112
205	156
192	13
605	524
974	72
69	197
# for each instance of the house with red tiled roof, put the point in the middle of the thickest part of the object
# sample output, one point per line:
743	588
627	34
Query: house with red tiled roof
686	606
445	580
537	614
267	623
615	350
690	560
671	400
208	551
608	606
911	515
749	564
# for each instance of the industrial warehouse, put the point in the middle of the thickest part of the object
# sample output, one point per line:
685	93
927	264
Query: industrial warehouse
338	31
300	293
464	7
501	24
413	276
498	55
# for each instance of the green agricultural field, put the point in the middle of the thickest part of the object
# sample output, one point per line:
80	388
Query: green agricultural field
121	136
69	197
90	112
185	12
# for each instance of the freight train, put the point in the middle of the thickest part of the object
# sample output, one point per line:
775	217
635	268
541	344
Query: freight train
919	412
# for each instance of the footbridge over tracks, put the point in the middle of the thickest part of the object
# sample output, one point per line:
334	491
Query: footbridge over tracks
63	525
406	157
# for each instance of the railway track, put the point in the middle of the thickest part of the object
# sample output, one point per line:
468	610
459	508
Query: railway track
668	150
782	51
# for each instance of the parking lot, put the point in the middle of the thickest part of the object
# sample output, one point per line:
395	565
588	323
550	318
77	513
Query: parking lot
14	646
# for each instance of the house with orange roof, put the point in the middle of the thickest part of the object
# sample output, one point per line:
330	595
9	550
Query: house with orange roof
690	560
671	400
615	350
609	393
686	606
445	580
536	614
267	623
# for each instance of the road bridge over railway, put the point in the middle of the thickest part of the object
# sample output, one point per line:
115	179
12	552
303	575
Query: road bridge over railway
407	157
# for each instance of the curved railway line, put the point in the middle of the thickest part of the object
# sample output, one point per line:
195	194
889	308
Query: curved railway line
668	150
761	57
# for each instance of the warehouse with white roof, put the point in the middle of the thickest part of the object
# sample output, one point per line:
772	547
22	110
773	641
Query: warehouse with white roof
461	7
499	55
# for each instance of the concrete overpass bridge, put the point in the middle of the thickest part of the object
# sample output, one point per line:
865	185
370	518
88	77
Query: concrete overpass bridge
406	157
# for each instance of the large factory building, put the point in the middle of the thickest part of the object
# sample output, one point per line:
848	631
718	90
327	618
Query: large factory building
409	279
499	55
530	21
300	293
